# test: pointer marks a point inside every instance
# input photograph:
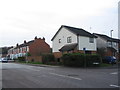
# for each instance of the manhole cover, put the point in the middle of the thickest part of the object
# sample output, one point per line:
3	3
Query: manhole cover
73	75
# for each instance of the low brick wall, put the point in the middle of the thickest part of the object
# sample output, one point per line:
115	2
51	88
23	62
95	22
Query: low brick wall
57	54
34	58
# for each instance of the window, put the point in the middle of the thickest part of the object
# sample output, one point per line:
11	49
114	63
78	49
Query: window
91	40
59	40
114	44
109	43
69	39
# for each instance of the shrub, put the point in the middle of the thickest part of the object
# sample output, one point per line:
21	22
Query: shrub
80	60
28	54
73	59
48	58
90	59
21	58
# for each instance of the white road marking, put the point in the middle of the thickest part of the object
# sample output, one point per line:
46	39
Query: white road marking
114	85
37	68
65	76
114	73
33	69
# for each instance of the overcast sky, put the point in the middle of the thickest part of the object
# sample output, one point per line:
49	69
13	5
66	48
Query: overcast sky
24	19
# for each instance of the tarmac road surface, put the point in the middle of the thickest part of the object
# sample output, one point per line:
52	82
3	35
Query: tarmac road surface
27	76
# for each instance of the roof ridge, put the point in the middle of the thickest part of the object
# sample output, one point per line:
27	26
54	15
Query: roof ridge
71	27
107	37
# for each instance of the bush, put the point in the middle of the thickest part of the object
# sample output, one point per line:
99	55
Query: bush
90	59
21	58
80	60
48	58
73	60
28	54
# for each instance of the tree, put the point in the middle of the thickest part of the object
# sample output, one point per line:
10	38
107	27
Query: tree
101	51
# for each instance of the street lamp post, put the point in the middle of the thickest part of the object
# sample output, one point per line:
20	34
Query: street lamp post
111	37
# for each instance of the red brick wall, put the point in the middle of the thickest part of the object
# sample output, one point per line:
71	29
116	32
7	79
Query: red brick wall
57	54
109	53
94	52
39	46
35	58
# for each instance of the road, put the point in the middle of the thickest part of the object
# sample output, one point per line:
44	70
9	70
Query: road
27	76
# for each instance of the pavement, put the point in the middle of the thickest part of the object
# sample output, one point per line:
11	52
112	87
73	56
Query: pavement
39	65
44	65
45	76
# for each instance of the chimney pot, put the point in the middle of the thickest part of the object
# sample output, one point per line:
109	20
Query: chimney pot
24	41
35	37
17	44
43	38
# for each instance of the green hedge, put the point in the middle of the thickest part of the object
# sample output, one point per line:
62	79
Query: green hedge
80	60
21	58
48	58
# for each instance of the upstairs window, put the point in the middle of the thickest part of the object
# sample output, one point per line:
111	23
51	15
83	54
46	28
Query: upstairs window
91	40
114	44
59	41
69	39
109	43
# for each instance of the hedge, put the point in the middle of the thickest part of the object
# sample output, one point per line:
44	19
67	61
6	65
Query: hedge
48	58
21	58
80	60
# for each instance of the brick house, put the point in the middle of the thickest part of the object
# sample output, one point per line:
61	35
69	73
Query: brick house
4	51
34	48
71	39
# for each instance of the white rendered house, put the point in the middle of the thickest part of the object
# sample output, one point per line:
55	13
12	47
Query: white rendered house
69	39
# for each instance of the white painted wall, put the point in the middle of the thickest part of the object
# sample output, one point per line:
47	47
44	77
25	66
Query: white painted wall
63	34
115	45
84	43
101	43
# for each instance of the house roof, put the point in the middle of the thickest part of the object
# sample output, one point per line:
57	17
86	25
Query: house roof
77	31
107	37
25	44
112	49
69	47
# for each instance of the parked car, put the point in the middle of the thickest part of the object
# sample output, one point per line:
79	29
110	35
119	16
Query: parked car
0	59
10	60
110	59
4	59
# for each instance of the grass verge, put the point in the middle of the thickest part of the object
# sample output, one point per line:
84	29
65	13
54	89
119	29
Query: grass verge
30	62
105	65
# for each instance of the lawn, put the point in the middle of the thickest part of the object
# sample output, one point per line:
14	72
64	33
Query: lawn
105	65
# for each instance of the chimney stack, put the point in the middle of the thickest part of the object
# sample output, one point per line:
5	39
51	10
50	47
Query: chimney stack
43	38
17	45
35	37
25	41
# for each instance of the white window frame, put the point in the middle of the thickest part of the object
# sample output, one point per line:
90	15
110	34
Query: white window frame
59	40
69	39
91	40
